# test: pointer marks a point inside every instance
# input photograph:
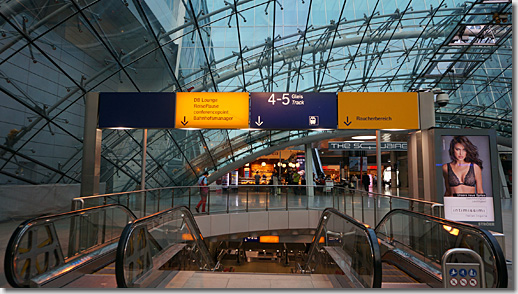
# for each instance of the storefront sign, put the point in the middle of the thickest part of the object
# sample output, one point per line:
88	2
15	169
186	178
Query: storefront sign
372	110
211	110
277	110
365	146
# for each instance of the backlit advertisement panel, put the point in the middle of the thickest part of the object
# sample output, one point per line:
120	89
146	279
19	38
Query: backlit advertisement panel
466	178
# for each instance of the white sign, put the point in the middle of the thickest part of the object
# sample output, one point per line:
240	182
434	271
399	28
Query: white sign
474	209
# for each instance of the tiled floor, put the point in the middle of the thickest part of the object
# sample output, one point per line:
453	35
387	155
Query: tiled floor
243	280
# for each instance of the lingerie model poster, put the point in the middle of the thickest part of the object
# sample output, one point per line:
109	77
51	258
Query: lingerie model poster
466	177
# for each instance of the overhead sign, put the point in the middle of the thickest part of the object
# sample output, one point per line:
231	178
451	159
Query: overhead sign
212	110
378	110
362	146
277	110
136	110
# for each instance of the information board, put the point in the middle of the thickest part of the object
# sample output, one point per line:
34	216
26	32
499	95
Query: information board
373	110
277	110
212	110
139	110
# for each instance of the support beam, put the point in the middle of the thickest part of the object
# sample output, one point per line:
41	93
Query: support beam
91	169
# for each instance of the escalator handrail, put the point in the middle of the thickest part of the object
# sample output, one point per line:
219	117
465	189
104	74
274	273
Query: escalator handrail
130	227
369	232
19	232
497	251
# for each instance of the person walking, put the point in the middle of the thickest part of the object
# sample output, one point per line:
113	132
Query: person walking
204	191
257	178
366	181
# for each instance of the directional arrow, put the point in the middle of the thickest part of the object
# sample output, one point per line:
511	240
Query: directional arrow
184	122
347	123
259	122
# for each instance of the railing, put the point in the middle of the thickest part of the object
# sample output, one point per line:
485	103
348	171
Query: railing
347	248
151	248
426	238
50	251
366	206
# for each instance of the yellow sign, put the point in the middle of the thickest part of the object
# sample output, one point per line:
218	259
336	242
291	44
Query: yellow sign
212	110
378	110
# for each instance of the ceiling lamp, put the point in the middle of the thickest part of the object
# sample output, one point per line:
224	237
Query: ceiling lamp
263	163
368	137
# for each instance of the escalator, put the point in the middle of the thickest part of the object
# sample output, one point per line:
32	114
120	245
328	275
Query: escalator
404	251
107	246
65	249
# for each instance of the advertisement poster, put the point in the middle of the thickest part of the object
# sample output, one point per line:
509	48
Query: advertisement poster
467	186
354	164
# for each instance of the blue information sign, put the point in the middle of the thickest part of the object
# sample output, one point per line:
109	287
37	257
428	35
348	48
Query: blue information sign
277	110
137	110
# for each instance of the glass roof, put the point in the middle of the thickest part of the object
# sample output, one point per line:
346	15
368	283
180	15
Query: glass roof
52	52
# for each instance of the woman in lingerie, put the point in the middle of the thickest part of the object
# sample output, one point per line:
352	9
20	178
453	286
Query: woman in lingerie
463	175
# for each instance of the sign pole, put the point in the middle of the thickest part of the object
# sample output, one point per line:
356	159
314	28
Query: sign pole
144	152
378	160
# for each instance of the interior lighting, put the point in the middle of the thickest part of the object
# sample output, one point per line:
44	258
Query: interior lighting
393	130
453	231
297	164
269	239
368	137
279	163
284	165
263	163
121	128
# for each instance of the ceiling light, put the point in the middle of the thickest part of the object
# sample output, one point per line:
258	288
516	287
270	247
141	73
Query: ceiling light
369	137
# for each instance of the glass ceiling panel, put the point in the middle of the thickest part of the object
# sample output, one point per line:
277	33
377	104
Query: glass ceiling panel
462	47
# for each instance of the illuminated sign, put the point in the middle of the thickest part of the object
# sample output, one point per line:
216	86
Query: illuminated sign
372	110
211	110
362	146
277	110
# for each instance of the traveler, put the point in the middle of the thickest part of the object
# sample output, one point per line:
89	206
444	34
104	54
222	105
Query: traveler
204	191
257	178
366	181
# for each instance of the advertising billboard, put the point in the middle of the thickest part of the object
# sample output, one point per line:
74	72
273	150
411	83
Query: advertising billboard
466	163
467	178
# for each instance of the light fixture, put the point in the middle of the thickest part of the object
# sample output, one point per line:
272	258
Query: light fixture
279	163
393	130
263	163
367	137
297	164
284	165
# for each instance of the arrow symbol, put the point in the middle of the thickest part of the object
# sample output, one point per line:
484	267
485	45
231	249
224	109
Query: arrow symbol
347	123
259	122
184	122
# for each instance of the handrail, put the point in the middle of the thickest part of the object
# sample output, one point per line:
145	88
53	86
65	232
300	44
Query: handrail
493	245
133	227
21	264
370	236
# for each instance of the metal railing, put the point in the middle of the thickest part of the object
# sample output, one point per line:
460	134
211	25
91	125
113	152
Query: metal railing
50	251
369	207
425	239
148	246
346	247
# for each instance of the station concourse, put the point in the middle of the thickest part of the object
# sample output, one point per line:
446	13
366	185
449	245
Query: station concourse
347	144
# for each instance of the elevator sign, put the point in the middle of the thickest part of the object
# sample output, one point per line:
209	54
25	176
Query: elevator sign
372	110
278	110
212	110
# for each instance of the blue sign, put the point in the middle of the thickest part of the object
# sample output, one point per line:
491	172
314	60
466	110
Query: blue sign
472	273
453	272
137	110
463	272
277	110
